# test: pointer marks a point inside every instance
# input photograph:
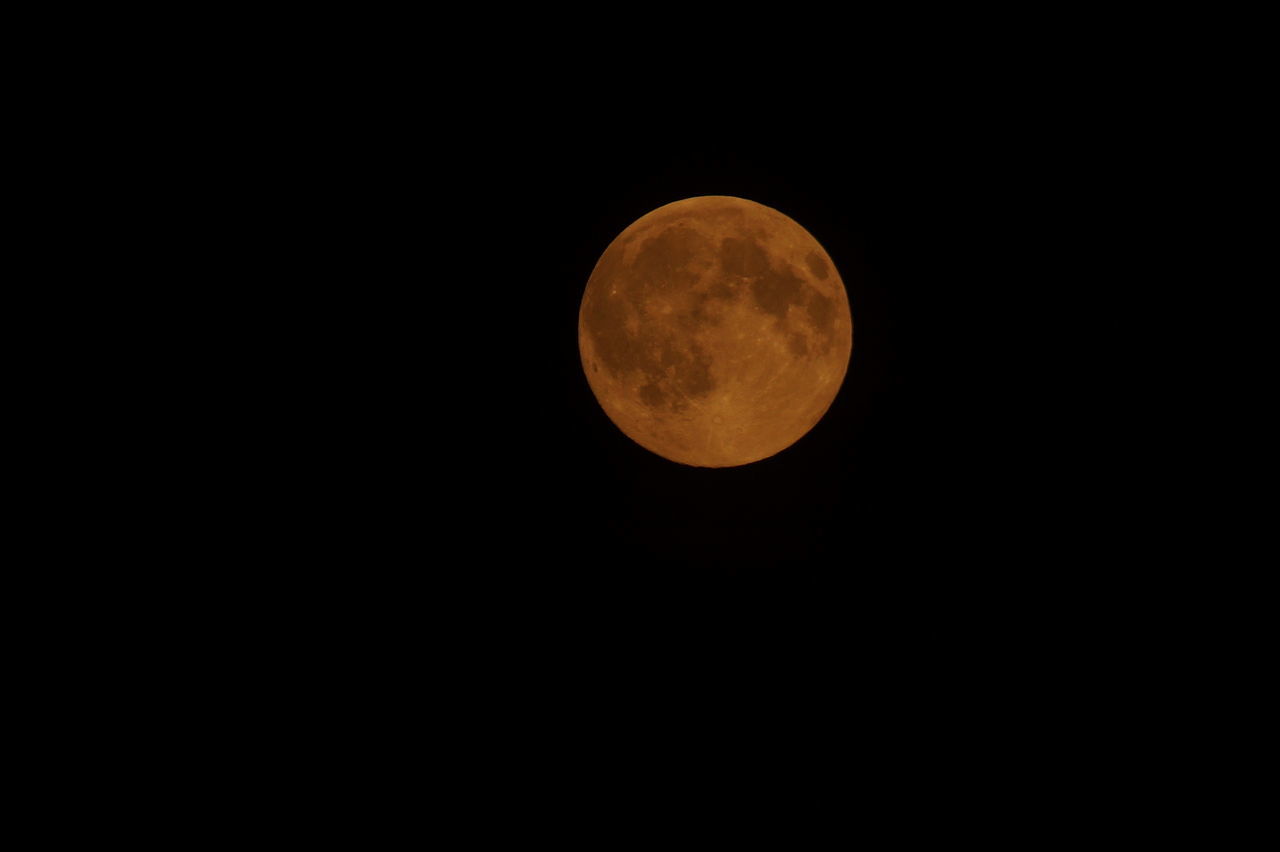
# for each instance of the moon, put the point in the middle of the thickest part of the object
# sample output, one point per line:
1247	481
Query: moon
715	331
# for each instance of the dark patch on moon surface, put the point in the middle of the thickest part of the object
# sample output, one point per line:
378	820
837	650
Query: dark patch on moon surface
681	376
742	258
817	265
663	261
822	310
672	368
652	396
693	377
775	289
606	323
720	289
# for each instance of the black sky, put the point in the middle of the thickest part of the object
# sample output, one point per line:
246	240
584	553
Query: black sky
414	508
436	408
561	486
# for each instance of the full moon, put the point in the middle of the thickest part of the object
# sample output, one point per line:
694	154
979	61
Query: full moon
715	331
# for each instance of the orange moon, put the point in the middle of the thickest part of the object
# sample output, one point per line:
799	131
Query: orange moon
715	331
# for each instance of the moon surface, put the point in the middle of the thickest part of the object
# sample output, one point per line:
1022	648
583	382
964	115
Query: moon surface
715	331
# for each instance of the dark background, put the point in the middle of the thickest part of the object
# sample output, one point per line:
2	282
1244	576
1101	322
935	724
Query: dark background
425	413
420	520
804	510
855	492
462	340
438	497
424	502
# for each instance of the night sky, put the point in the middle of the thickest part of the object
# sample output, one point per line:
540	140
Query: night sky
438	411
417	506
564	488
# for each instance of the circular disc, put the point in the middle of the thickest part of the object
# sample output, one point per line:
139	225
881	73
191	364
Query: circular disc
715	331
